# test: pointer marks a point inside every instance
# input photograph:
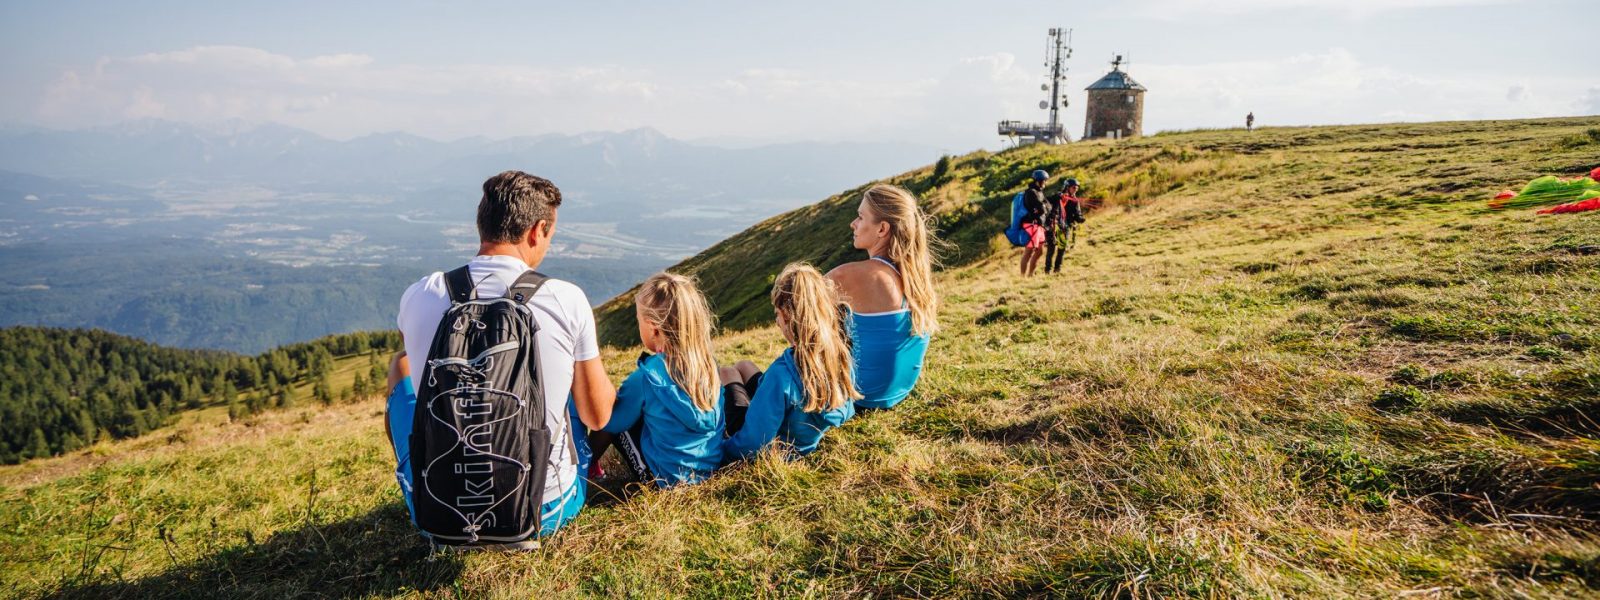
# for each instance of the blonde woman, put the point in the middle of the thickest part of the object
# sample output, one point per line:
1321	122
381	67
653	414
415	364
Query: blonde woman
891	297
668	416
810	388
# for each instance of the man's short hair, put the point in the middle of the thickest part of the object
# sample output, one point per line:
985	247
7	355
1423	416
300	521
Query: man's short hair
512	202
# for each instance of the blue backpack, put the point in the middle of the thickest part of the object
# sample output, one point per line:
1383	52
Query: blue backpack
1014	233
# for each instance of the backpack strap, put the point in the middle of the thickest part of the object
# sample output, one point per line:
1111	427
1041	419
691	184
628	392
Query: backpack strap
528	284
458	283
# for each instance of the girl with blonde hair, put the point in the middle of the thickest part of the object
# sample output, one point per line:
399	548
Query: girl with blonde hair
893	306
668	418
810	388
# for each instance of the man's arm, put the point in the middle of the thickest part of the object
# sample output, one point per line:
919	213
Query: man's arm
593	392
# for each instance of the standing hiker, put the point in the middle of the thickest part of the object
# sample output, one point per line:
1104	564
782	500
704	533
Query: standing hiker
1032	222
1066	211
488	456
1250	121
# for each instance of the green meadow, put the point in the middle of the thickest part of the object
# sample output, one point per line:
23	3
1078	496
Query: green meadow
1294	362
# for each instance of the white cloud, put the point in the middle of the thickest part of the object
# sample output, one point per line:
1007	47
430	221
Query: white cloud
340	61
1330	87
346	95
1178	9
1589	104
1518	93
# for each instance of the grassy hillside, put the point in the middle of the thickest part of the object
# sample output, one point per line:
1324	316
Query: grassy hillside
1293	362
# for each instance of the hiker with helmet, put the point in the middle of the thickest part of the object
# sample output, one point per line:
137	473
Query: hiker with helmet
1032	222
489	455
1064	212
893	306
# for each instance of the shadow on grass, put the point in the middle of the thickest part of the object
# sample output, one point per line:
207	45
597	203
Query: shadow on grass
377	553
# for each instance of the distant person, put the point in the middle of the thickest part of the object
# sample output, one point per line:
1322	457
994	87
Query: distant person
1065	212
893	306
668	419
470	475
1250	121
1033	206
810	388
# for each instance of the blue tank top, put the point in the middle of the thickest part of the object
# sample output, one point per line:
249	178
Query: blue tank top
888	355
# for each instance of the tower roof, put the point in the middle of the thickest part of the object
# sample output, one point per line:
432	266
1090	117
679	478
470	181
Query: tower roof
1116	80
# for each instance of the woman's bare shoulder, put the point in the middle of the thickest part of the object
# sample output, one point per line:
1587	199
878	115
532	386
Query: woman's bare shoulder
862	272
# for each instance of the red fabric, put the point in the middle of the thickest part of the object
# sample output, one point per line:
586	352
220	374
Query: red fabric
1505	195
1572	207
1595	174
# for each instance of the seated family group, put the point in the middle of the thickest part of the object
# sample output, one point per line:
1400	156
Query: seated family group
505	403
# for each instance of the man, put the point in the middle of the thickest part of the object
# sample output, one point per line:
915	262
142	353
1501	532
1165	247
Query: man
1033	223
1250	121
516	221
1064	212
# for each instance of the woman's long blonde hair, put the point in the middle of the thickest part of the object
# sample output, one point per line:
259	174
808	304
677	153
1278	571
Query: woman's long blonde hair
676	307
818	323
911	248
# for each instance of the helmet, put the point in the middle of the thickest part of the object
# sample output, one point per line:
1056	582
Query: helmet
1070	183
1040	175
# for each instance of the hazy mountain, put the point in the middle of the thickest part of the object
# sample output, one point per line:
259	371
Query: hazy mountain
246	220
151	150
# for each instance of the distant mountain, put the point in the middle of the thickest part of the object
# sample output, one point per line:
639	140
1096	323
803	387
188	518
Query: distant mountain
196	294
149	150
244	237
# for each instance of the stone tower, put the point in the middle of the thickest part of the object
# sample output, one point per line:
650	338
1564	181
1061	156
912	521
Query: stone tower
1116	106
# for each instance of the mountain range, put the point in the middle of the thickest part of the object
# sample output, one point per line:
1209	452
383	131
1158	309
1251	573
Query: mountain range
210	209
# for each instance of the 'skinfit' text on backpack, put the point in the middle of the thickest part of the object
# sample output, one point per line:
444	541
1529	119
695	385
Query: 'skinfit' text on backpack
480	448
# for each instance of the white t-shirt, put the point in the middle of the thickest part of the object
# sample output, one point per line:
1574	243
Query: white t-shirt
566	336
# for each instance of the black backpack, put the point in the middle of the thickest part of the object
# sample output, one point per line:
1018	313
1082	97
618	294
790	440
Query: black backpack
480	449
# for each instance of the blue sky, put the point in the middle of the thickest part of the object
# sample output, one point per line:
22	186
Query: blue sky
935	73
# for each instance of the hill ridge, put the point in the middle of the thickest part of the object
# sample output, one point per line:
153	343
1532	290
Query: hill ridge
1285	363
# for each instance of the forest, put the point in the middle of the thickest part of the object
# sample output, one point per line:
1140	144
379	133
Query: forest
63	389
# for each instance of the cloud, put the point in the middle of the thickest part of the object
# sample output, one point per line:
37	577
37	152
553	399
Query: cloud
1334	86
342	94
1518	93
953	107
346	95
1182	9
1589	104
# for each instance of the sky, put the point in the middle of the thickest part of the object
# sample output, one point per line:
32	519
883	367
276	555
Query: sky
928	72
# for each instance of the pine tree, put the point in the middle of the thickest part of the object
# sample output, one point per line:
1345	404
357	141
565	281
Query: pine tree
322	391
37	446
940	170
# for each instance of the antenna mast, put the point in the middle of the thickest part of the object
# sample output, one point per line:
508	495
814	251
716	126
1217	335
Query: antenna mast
1061	42
1058	48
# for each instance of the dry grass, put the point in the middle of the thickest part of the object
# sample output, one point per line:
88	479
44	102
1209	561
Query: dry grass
1307	370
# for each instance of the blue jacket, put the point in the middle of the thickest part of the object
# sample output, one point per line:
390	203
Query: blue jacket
777	412
888	357
680	442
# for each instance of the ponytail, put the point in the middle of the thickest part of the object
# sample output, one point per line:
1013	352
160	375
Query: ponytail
677	308
818	322
911	249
